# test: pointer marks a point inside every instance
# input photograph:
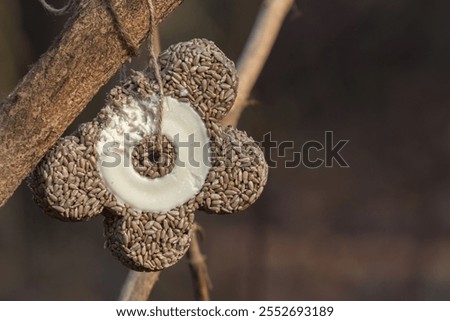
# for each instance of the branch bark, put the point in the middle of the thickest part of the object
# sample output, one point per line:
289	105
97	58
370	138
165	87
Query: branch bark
97	40
256	52
138	286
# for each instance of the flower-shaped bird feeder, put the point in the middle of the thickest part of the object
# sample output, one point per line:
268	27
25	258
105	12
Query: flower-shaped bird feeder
147	194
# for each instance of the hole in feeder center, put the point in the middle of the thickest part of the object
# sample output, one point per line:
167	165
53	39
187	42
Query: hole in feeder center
150	160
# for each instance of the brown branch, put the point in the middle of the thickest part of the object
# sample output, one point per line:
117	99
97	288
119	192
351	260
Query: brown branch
98	39
199	269
138	286
251	62
256	52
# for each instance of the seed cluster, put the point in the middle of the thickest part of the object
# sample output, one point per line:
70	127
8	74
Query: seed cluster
150	241
200	73
238	175
67	183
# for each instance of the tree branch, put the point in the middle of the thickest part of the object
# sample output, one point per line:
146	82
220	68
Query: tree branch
97	40
251	62
256	52
199	268
138	286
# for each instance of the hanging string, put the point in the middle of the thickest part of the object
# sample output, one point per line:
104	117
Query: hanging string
57	11
154	63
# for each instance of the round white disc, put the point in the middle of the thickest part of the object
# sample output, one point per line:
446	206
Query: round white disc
187	132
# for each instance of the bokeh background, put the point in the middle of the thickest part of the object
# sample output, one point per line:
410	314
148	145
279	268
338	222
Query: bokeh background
375	72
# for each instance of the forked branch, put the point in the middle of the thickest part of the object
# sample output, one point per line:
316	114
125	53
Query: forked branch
250	65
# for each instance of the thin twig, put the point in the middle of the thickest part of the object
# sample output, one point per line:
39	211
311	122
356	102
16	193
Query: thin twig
138	286
256	51
199	269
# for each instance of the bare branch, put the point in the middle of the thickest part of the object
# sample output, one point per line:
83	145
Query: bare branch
98	39
251	62
199	269
138	286
256	51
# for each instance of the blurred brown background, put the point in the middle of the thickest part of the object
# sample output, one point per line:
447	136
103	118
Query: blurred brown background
374	72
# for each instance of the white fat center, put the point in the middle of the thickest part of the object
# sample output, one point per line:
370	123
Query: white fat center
127	128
